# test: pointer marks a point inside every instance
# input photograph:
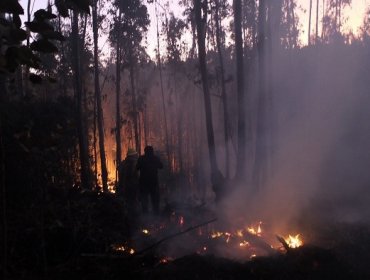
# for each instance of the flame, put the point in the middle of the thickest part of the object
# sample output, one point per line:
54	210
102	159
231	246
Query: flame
294	241
122	248
255	229
145	231
244	243
181	221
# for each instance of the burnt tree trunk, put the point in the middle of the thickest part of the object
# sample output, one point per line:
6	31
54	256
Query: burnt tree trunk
133	101
82	140
217	179
223	89
241	157
260	159
100	117
118	99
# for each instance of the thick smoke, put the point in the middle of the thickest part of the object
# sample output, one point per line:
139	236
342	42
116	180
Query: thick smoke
321	142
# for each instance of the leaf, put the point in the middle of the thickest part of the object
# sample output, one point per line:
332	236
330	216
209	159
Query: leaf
18	35
42	14
53	35
81	5
62	8
17	21
39	26
11	7
35	79
44	46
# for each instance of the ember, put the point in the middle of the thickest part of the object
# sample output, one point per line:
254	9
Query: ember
294	241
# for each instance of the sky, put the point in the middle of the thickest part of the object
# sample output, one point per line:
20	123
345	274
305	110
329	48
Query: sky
354	15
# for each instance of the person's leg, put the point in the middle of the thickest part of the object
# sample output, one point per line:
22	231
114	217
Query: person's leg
144	199
155	199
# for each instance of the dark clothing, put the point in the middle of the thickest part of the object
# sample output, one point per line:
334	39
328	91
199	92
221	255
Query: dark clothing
148	166
128	180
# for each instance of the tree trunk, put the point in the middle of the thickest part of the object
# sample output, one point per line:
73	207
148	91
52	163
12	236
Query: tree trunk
260	160
4	215
241	157
103	161
133	102
317	21
216	176
309	24
223	90
118	99
82	141
162	89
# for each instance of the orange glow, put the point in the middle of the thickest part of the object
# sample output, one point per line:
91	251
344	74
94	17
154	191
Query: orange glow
255	229
294	241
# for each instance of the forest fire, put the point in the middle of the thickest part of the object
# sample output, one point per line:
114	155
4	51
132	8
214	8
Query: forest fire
294	241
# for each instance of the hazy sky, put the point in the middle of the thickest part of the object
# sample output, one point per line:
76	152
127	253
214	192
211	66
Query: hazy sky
354	15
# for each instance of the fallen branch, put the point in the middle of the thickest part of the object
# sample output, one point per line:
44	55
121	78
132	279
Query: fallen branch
173	236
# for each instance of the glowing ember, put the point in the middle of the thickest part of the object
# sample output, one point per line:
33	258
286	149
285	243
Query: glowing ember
294	241
255	229
117	247
217	234
244	243
181	221
145	231
122	248
166	260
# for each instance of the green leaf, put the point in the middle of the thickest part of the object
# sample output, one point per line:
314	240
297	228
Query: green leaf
44	46
11	7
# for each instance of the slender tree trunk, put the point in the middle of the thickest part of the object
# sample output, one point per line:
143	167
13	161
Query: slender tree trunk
118	99
309	24
162	89
133	102
4	215
82	141
260	161
317	21
216	176
223	90
241	157
100	116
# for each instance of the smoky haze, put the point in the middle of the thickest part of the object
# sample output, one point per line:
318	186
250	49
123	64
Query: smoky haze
320	153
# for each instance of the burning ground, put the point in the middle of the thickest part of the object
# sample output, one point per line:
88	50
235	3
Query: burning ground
184	243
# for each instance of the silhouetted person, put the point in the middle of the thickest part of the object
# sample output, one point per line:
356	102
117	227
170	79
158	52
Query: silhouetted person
148	165
128	184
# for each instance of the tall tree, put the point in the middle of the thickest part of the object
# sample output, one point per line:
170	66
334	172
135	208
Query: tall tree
82	140
118	92
309	24
100	117
217	180
241	157
220	48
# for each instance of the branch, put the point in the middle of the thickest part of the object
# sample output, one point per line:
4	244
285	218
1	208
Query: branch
173	236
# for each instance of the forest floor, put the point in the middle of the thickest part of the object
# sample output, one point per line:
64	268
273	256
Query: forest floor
82	236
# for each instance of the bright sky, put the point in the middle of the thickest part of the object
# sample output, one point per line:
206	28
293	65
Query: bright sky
354	15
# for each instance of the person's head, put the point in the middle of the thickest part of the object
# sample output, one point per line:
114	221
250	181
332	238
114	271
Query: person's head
148	150
131	152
